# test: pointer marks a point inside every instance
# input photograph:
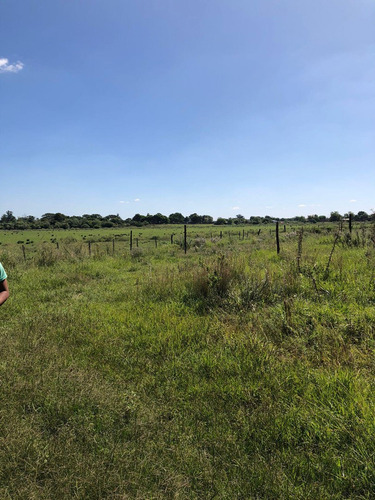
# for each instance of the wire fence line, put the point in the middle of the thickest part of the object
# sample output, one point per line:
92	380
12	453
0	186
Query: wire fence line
188	238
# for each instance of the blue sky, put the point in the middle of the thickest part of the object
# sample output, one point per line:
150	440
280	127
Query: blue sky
209	106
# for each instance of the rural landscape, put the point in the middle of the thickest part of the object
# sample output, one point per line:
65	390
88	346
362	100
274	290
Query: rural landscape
228	371
187	250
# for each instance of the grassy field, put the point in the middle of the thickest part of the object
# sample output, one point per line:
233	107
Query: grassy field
228	372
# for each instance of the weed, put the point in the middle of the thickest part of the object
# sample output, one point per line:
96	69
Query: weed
137	253
47	257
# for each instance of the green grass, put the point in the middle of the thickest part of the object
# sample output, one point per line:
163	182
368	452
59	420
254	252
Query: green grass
225	373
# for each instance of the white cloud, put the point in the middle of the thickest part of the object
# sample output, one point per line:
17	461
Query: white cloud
137	199
352	201
235	208
301	205
5	67
122	202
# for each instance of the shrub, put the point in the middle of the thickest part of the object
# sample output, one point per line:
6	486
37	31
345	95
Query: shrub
47	257
211	285
136	253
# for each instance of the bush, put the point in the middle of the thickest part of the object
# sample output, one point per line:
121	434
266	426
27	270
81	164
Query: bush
211	286
47	257
136	253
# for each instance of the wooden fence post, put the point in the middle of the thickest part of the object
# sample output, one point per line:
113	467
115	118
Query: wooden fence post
131	240
350	223
277	237
113	247
185	240
89	248
172	238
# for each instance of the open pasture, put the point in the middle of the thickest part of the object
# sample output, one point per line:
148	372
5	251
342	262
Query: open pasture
152	236
228	372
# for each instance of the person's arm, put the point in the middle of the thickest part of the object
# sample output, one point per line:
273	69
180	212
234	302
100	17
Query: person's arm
4	291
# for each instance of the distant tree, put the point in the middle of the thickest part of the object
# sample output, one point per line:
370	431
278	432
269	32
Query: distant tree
240	219
8	217
47	217
21	224
138	218
159	219
75	221
255	220
268	219
176	218
115	219
220	221
207	219
361	216
195	218
59	217
335	216
313	218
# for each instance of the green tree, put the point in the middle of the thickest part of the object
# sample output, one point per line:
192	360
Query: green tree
220	221
361	216
195	218
176	218
255	220
159	219
335	216
313	218
8	217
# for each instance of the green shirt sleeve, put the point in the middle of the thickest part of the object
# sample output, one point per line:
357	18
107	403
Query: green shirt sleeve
3	274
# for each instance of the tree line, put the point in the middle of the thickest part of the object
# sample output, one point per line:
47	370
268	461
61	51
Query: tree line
96	221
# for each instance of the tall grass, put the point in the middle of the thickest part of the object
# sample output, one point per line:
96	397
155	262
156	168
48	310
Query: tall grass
227	373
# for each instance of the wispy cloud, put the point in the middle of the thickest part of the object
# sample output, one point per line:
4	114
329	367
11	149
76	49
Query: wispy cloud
5	67
235	208
352	201
137	199
301	205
